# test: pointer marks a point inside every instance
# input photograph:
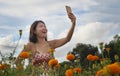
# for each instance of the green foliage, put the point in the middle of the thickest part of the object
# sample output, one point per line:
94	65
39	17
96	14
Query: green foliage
82	50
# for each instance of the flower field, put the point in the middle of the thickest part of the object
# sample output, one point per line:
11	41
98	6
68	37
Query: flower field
97	64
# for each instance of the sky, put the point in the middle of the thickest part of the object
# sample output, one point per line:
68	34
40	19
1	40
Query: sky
97	21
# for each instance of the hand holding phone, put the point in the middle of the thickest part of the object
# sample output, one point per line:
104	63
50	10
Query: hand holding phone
68	9
70	14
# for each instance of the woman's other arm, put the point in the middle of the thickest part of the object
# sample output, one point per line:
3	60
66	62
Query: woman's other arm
26	48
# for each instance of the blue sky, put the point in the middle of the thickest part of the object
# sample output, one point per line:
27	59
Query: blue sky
97	20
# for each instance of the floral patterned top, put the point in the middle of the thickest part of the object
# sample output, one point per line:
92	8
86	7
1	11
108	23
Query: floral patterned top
40	58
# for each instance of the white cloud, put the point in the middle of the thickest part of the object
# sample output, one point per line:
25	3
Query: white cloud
6	27
42	8
6	44
6	40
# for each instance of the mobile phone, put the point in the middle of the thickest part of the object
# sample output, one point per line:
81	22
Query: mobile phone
68	9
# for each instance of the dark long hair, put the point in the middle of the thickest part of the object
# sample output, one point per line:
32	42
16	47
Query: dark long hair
32	35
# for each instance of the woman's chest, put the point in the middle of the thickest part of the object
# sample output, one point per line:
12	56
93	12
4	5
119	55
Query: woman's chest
41	48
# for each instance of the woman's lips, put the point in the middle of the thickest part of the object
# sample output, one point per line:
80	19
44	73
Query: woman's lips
44	31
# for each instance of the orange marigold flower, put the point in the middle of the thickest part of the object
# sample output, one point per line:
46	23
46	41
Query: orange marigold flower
24	55
69	72
117	63
107	49
113	68
90	57
70	57
2	67
51	50
99	73
77	70
57	66
96	57
53	62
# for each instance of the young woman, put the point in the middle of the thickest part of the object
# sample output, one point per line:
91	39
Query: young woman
39	45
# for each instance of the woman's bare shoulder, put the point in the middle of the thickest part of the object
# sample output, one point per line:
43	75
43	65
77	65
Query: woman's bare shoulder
51	43
29	46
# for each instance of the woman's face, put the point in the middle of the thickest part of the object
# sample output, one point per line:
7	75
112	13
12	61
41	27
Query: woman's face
41	30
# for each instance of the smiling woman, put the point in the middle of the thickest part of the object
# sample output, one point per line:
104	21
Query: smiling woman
40	27
39	45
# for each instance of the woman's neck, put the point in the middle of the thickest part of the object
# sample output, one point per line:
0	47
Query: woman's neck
41	40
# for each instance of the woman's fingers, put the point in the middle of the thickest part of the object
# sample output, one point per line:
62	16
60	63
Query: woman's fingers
72	17
70	14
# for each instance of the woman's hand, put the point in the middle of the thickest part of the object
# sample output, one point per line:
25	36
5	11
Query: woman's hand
72	17
59	42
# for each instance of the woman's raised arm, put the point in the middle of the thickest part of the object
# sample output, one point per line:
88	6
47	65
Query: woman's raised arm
59	42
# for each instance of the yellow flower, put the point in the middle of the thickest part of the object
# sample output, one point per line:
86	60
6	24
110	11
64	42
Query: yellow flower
70	57
105	70
24	55
77	70
53	62
69	72
99	73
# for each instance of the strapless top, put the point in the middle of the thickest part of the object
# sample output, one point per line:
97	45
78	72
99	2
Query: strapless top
41	58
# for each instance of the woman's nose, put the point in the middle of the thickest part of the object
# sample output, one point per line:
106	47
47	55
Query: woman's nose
45	28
